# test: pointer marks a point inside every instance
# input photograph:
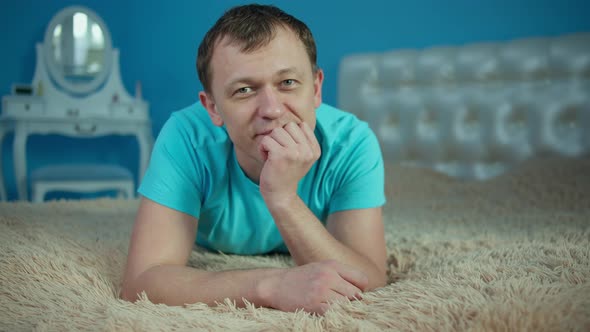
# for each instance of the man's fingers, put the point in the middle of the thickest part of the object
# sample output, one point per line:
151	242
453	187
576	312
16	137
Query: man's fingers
348	290
323	307
310	137
332	297
335	296
292	136
296	133
353	276
267	146
283	137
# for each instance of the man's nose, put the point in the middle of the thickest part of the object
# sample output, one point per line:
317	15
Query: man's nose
270	105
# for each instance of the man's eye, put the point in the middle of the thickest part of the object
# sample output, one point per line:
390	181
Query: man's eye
243	90
289	83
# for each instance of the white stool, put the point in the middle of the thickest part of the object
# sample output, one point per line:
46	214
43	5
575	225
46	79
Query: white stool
81	178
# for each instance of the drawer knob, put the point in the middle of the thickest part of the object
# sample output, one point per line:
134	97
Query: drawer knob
85	129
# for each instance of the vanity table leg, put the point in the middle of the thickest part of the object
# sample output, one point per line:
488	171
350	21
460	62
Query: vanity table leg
20	162
145	141
3	195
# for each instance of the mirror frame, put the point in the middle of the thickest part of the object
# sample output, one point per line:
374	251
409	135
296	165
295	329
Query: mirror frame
53	67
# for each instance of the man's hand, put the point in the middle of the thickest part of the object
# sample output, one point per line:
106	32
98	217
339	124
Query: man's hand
289	152
313	287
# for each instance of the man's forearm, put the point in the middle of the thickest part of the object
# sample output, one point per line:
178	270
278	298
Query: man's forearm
309	241
180	285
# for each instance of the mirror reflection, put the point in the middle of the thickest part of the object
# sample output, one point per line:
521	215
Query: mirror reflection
78	47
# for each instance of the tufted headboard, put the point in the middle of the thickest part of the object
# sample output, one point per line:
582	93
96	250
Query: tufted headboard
473	111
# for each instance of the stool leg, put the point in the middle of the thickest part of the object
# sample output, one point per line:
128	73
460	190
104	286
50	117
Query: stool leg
38	194
130	192
120	193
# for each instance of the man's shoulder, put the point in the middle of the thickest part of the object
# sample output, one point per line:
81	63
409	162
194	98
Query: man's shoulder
194	124
337	125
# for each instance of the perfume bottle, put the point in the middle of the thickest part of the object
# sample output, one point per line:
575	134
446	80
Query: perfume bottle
138	90
40	88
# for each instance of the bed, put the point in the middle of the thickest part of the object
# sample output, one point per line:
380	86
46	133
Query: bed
474	111
487	222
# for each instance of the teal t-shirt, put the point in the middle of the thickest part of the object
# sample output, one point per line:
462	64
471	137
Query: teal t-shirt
193	169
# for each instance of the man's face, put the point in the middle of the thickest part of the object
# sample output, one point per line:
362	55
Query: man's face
253	93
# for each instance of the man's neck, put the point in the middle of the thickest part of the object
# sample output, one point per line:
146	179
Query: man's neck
250	166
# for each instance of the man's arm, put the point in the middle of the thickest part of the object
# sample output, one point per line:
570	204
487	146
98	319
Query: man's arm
289	153
363	232
352	237
160	247
161	243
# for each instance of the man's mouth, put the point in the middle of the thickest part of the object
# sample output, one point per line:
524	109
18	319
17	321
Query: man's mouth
264	133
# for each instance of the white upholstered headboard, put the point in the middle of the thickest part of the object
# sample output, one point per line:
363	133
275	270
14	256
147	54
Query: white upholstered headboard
473	111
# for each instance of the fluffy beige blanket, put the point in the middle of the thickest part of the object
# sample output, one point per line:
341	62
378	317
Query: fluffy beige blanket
509	254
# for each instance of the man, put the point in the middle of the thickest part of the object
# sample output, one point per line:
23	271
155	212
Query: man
260	166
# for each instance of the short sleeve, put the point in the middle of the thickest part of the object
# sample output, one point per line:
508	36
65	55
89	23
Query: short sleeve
360	179
174	177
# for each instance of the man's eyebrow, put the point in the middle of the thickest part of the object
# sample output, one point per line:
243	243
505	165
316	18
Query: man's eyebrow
238	81
246	80
290	70
251	81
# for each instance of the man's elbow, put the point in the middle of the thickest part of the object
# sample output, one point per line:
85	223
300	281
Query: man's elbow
130	290
127	294
378	279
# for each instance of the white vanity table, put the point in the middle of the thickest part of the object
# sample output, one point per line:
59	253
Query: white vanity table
76	91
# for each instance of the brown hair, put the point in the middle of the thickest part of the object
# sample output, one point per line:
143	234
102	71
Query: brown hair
251	27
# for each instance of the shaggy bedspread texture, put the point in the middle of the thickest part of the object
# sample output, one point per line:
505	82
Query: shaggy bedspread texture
507	254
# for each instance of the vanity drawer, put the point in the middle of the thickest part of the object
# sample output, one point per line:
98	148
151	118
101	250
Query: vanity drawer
13	106
128	110
87	128
75	129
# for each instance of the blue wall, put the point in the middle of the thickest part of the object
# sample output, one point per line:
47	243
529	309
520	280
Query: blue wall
158	42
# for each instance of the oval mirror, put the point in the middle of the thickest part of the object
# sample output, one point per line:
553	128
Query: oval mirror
77	49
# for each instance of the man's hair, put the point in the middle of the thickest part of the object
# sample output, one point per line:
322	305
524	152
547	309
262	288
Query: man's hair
251	27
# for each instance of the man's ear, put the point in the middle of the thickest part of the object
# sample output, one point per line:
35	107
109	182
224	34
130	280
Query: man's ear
317	87
209	104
